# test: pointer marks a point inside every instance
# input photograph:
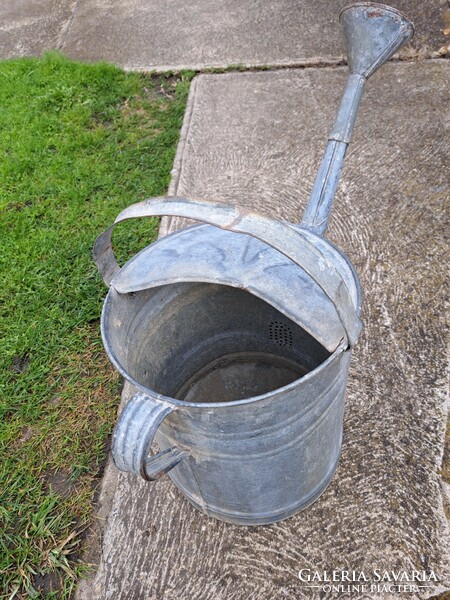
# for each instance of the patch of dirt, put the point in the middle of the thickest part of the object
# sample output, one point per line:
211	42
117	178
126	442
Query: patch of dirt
155	87
20	363
27	433
45	584
19	206
60	482
164	86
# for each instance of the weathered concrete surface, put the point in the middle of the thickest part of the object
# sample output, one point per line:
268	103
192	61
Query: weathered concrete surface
172	35
29	27
256	139
164	34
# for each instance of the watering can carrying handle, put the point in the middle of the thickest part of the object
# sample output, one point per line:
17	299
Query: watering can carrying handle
281	236
134	434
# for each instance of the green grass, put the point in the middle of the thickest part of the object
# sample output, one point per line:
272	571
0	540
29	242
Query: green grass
78	143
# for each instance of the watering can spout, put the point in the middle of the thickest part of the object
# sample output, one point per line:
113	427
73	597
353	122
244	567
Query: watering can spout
373	33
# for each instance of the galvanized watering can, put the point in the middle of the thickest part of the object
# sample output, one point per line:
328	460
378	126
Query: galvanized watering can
238	332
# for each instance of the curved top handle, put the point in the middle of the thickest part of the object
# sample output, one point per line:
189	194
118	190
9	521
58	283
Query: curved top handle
284	237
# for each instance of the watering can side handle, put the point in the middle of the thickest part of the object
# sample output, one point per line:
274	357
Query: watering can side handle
133	436
281	236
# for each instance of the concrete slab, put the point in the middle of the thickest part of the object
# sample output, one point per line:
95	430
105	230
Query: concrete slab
257	139
28	28
173	34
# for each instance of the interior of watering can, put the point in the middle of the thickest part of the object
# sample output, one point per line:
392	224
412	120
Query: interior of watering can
203	342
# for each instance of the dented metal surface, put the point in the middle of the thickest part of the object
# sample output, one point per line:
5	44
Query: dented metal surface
204	253
238	333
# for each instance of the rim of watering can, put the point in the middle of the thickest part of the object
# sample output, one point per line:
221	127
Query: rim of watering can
358	291
376	5
279	235
342	347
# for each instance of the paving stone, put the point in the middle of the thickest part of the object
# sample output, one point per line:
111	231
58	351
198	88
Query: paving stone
173	34
28	28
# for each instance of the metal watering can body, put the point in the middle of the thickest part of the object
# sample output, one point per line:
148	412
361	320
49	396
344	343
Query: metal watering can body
238	333
246	406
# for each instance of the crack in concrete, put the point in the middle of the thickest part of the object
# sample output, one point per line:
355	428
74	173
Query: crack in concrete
316	63
67	26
